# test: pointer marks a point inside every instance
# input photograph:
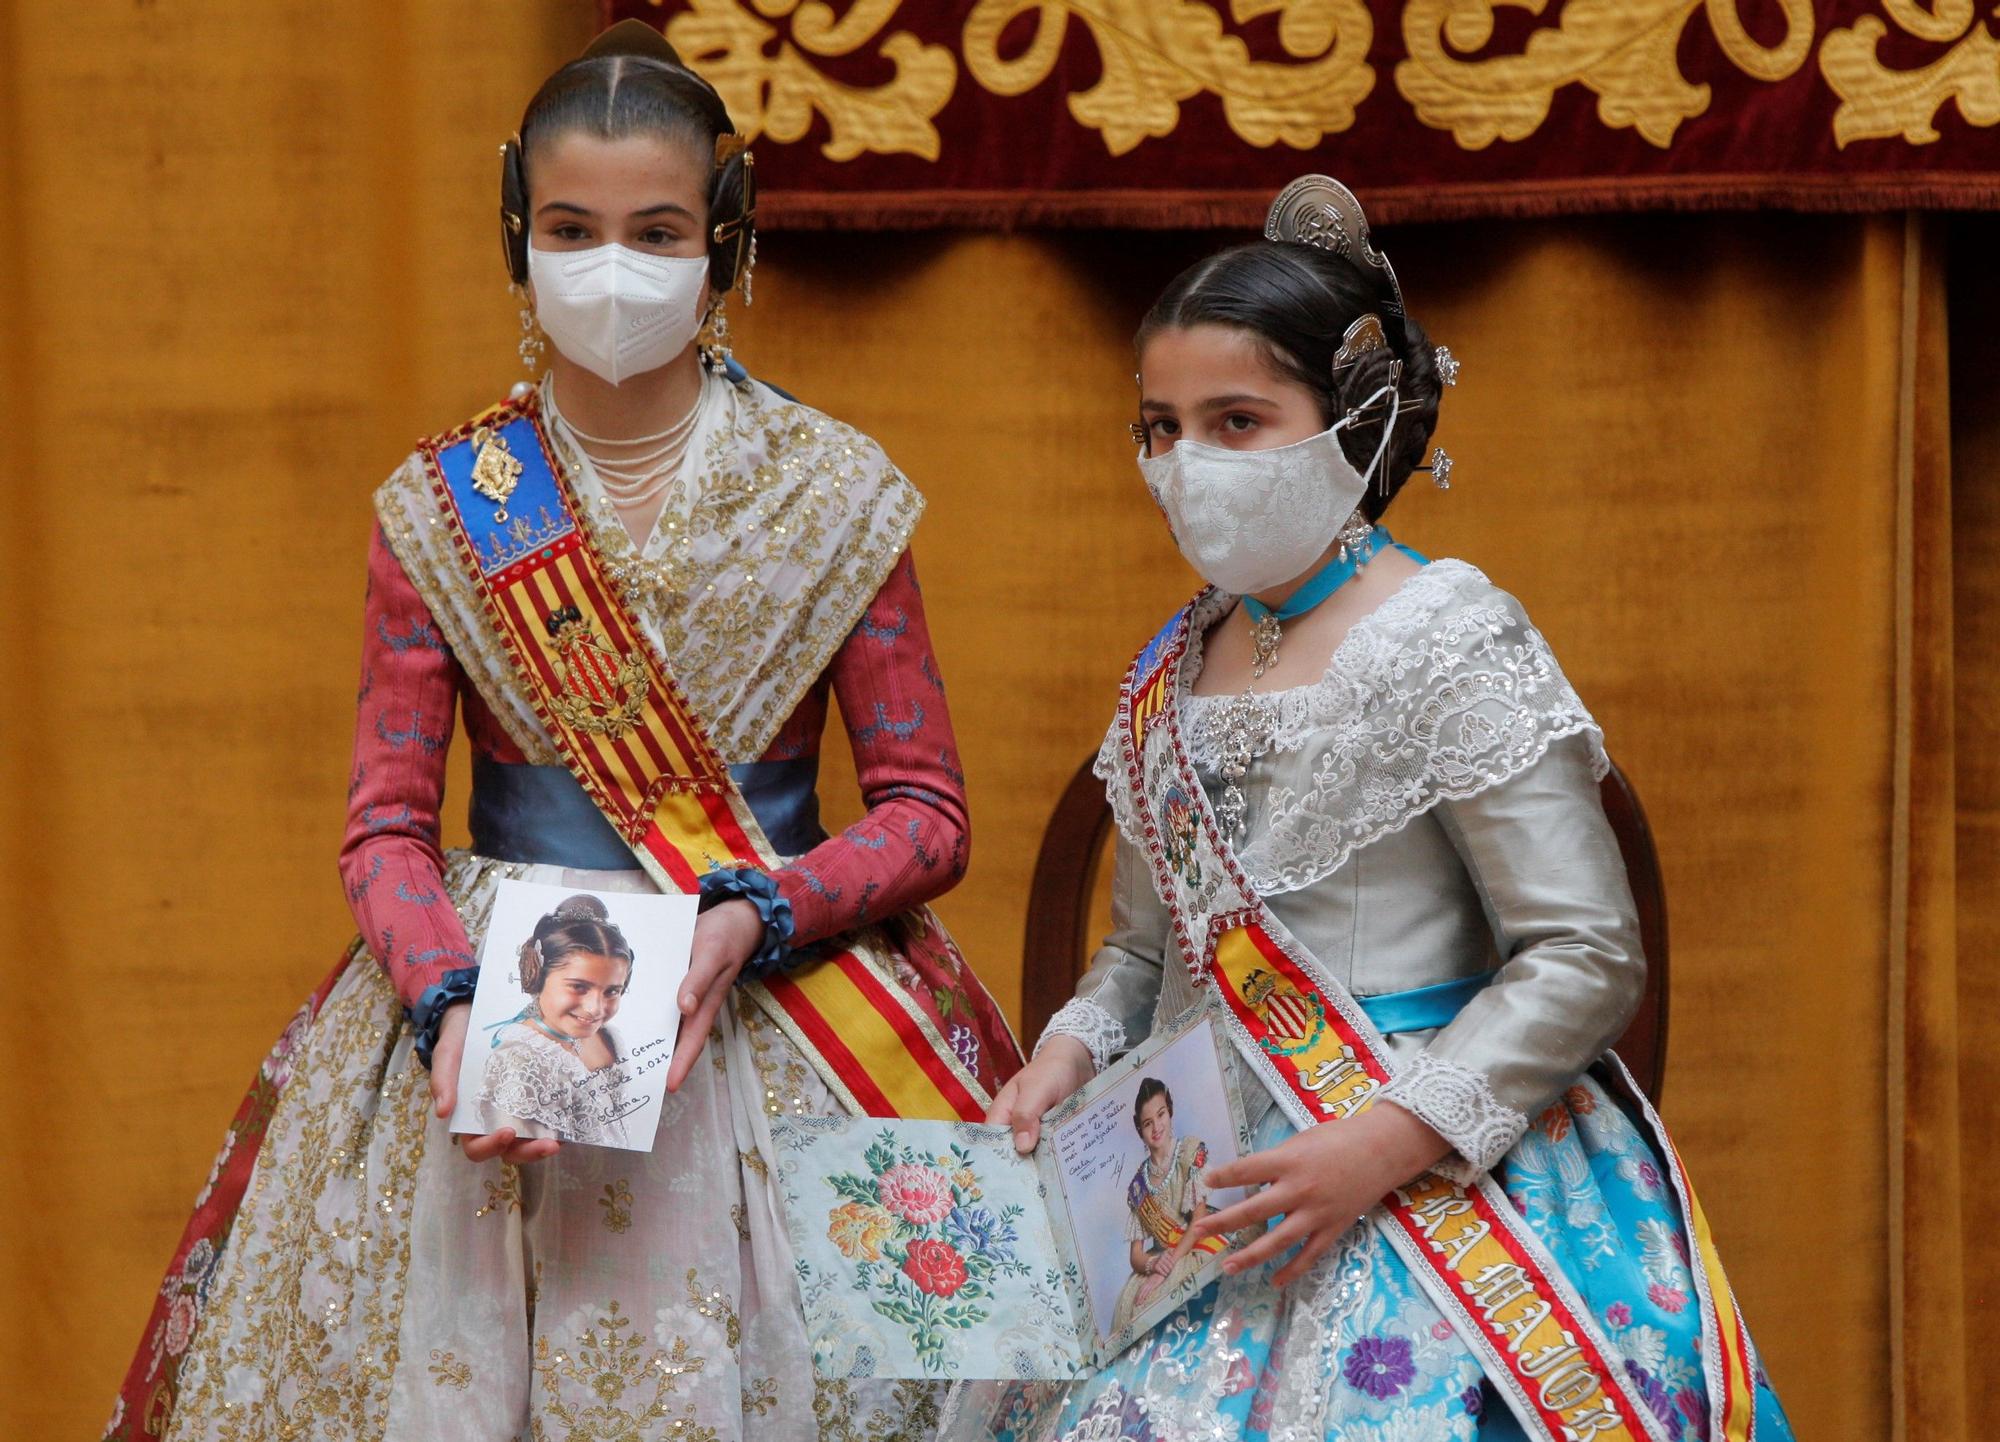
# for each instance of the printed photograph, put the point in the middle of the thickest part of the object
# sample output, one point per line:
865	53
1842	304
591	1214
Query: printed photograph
574	1020
1131	1164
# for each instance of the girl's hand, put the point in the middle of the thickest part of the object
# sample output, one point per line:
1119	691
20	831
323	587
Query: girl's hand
446	1054
445	1057
1163	1264
725	936
1322	1180
1059	1068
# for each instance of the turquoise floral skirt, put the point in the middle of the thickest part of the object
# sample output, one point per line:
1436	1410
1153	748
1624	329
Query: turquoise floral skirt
1355	1351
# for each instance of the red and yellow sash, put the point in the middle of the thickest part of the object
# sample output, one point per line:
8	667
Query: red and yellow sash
627	735
1162	1228
1316	1052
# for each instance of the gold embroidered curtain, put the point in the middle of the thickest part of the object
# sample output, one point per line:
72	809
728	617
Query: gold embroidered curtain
1184	112
1740	468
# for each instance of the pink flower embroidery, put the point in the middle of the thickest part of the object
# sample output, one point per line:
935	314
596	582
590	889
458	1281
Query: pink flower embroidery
1667	1299
1440	1329
180	1324
919	1195
1618	1315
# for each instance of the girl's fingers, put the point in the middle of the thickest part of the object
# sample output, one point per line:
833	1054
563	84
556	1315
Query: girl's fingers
1002	1110
1310	1253
1247	1171
534	1149
1287	1233
694	1031
1257	1207
484	1149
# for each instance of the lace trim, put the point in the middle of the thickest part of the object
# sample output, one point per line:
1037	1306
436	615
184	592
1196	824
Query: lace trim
1445	690
1100	1032
1460	1106
533	1078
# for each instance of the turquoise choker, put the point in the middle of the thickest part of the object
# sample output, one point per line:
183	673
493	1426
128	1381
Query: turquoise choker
1267	625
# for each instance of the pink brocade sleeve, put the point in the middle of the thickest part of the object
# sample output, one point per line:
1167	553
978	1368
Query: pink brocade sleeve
912	844
390	860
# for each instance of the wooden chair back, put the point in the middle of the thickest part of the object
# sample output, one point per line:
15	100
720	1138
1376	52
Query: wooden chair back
1061	932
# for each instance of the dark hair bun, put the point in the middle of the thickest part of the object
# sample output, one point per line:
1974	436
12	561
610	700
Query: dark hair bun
581	908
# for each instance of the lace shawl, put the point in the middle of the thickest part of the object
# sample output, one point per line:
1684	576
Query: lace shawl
1444	690
534	1078
789	523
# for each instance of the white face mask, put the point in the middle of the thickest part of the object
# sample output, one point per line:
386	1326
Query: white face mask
1252	520
618	312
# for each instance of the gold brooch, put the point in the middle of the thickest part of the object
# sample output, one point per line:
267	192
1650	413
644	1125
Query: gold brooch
495	471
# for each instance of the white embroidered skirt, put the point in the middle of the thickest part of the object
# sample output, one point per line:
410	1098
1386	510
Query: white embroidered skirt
376	1284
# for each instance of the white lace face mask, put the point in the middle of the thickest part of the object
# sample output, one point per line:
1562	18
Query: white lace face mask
618	312
1252	520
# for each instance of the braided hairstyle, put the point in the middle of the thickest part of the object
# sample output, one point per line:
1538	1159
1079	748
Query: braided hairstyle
578	925
1299	300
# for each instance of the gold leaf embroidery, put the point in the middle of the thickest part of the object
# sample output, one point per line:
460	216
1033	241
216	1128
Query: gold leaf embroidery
1157	53
448	1371
617	1204
714	1305
611	1360
776	92
1877	102
1624	51
505	1194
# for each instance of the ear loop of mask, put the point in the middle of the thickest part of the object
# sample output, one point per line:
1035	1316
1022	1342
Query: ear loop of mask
1388	429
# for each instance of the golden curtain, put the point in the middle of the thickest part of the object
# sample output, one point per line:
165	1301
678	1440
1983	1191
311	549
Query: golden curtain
250	255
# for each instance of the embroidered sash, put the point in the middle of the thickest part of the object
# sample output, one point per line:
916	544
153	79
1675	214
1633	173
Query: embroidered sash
1315	1050
625	732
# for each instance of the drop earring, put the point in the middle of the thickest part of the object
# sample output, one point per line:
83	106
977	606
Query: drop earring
532	344
714	337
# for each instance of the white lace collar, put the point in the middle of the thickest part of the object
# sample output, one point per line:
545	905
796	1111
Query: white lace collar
1444	690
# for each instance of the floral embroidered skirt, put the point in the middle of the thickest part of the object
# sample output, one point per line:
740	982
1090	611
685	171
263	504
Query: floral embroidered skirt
361	1279
1355	1352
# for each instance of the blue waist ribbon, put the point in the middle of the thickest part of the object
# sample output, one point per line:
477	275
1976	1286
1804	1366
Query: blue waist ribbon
1422	1008
543	816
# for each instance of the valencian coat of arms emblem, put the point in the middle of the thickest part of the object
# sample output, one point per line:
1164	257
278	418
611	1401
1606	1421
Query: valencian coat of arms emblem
1293	1021
602	691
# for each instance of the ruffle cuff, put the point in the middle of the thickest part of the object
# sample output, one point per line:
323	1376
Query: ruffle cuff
1459	1105
428	1014
1101	1033
757	888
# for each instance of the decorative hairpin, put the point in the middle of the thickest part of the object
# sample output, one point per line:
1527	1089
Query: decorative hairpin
1447	365
1440	469
1319	211
1363	338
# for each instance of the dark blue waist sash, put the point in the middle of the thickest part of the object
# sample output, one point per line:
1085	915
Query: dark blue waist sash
542	814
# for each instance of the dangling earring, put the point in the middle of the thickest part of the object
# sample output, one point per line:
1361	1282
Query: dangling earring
1355	536
749	269
714	337
531	338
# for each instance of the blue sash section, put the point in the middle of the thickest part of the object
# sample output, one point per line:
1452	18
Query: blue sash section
1149	656
1422	1008
784	797
542	814
535	512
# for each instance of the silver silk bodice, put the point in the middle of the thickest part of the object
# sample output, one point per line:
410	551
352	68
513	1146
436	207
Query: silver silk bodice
1441	791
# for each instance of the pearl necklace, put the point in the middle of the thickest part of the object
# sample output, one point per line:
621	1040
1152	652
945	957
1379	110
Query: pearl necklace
651	464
